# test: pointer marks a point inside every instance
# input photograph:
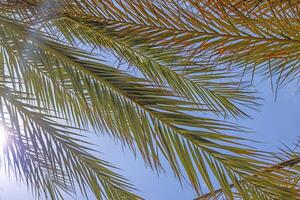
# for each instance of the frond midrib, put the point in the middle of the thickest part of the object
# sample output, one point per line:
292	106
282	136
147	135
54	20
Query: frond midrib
192	32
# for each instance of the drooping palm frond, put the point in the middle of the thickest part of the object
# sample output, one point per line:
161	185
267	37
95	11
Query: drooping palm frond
191	78
151	110
159	113
255	36
287	159
50	157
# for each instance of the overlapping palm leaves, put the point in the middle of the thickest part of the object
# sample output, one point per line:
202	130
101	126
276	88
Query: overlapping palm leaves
182	51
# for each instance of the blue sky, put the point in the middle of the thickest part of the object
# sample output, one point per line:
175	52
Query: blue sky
275	123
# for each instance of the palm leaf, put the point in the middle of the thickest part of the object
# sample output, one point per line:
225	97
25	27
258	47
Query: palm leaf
37	145
158	113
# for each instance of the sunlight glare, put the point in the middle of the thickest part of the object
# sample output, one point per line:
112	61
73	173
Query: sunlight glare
2	138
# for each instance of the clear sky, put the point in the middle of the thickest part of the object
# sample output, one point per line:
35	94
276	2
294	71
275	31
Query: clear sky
277	122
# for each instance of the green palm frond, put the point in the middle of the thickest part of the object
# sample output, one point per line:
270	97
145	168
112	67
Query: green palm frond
190	78
287	159
51	157
226	33
167	109
149	109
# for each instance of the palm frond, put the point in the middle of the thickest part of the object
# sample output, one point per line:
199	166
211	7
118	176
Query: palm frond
37	145
225	33
287	159
181	51
190	78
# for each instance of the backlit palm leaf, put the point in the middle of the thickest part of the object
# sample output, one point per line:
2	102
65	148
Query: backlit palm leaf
179	50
